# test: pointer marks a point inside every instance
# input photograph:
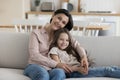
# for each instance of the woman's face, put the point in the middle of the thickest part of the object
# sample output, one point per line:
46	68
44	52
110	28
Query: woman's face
63	41
59	21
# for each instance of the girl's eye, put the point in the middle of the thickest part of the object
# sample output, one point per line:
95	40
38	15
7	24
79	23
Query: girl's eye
64	22
61	39
67	40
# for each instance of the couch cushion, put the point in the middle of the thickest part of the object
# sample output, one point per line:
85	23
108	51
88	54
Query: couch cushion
95	78
12	74
13	49
17	74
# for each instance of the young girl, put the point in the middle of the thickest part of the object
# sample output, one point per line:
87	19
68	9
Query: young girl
62	51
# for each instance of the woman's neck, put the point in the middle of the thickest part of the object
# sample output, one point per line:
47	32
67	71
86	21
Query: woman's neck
50	31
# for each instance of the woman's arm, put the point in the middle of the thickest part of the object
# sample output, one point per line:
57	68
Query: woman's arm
35	54
81	52
79	69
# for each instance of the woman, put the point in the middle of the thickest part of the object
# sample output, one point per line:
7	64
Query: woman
40	66
62	51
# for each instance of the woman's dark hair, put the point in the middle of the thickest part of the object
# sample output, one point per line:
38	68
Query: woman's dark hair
69	25
69	49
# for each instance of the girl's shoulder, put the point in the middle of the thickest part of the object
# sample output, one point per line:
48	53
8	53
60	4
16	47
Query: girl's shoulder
55	48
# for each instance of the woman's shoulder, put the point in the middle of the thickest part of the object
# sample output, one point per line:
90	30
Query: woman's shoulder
40	34
39	31
35	31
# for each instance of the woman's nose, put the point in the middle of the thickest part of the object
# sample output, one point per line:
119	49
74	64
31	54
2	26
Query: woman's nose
60	22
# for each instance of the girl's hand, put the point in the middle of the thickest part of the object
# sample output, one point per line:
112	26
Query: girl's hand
65	67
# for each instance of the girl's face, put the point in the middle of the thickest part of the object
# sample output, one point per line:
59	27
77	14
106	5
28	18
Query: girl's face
63	41
59	21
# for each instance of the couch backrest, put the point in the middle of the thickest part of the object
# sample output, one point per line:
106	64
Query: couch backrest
104	49
14	49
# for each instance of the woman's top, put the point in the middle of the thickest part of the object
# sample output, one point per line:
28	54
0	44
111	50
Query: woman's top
64	56
39	48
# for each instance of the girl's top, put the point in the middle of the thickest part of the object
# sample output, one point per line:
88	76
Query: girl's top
64	56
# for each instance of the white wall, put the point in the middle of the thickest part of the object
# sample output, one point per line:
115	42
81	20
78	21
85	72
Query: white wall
89	5
15	9
93	5
101	5
12	9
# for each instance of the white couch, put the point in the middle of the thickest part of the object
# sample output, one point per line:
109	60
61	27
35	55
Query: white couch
14	54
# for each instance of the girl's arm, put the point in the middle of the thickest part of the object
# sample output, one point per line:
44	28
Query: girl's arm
61	65
55	57
53	54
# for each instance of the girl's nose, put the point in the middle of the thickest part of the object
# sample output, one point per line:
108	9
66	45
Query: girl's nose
64	42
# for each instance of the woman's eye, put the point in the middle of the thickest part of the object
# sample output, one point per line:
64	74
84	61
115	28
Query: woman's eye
63	22
59	18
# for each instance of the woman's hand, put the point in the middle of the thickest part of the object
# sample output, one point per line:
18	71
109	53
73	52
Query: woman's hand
79	69
65	67
84	64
